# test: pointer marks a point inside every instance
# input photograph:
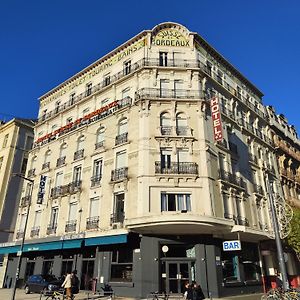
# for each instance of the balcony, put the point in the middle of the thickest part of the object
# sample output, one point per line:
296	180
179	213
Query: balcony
19	234
78	154
99	145
289	150
153	93
183	130
35	231
95	180
253	158
71	226
92	223
176	168
258	189
61	161
119	174
232	178
121	138
25	201
51	229
31	173
46	165
63	190
117	217
166	130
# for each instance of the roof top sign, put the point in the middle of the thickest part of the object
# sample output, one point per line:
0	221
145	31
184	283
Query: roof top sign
170	37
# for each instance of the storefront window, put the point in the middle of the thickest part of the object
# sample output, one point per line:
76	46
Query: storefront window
240	266
121	265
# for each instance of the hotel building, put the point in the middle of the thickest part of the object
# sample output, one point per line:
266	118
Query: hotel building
144	163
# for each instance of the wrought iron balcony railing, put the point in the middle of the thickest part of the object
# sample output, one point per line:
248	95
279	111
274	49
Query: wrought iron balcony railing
61	161
258	189
168	94
176	168
117	217
35	231
95	180
166	130
46	165
92	223
71	226
121	138
31	172
25	201
79	154
19	234
51	228
232	178
99	145
119	174
72	187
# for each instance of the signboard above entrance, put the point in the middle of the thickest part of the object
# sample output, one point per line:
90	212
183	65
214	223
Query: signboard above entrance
170	37
232	245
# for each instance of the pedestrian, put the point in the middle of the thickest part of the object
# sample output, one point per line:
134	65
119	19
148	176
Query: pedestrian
186	290
67	285
74	282
195	292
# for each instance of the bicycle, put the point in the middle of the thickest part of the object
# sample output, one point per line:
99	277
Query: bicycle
58	295
279	294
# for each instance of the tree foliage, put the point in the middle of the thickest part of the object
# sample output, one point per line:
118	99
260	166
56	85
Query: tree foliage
293	238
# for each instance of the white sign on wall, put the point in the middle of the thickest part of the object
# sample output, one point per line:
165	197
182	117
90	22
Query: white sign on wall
232	245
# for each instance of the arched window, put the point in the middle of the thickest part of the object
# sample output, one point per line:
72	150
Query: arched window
100	137
63	150
31	171
122	132
46	163
80	149
181	124
165	124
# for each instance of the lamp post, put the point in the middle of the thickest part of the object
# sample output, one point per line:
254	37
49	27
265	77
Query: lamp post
23	237
282	267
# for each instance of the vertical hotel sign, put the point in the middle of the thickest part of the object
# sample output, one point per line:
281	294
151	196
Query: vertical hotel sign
216	119
42	188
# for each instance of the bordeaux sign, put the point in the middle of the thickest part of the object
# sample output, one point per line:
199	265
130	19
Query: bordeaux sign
170	37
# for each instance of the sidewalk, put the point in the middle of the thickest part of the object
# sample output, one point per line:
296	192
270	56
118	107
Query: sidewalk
5	294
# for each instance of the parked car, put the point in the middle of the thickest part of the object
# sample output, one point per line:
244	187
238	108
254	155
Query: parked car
42	283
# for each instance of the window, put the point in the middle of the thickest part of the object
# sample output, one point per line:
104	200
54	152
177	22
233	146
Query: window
165	159
106	79
100	137
121	159
88	89
72	212
121	265
77	174
104	102
53	218
118	215
1	162
29	143
209	67
178	88
123	126
165	124
97	168
37	218
125	93
80	143
183	155
57	104
94	207
59	179
72	98
5	141
63	150
163	59
85	112
181	124
127	67
175	202
23	167
164	84
22	222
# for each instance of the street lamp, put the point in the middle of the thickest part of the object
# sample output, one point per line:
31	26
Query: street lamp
19	254
282	267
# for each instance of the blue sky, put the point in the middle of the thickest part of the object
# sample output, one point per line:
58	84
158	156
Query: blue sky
42	43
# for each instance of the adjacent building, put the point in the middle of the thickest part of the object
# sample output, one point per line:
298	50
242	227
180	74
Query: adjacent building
144	163
16	139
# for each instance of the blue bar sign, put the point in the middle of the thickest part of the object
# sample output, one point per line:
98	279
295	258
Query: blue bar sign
232	245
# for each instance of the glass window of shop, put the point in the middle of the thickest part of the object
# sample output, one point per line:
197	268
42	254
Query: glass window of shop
121	265
241	266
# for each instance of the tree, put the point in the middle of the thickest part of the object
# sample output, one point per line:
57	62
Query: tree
293	238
